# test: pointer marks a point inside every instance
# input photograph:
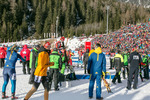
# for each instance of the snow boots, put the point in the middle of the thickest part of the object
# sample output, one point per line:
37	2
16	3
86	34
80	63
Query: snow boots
4	95
100	98
13	97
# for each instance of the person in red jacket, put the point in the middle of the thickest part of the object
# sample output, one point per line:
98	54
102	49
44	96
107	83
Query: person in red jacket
25	53
2	56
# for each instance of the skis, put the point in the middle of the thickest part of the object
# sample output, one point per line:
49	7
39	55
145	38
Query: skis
107	85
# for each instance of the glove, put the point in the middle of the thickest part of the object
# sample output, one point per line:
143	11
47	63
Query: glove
88	71
20	62
103	74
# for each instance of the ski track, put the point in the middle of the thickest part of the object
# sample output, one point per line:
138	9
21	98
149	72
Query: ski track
78	90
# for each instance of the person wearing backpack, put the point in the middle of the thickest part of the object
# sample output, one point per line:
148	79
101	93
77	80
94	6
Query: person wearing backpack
85	59
33	62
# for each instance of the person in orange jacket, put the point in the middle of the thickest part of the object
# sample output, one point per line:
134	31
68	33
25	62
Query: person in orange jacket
41	72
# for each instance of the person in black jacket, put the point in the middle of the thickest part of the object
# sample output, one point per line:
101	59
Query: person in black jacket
85	59
118	63
134	60
33	62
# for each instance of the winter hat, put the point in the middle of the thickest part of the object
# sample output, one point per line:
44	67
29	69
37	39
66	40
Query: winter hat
46	44
55	49
14	47
62	38
37	46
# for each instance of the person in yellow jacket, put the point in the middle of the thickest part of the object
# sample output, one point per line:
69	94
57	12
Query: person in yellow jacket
91	51
118	63
41	73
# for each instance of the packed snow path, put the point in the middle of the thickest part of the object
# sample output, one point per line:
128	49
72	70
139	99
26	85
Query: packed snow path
78	90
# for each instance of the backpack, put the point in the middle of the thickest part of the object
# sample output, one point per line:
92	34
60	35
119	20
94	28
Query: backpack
71	76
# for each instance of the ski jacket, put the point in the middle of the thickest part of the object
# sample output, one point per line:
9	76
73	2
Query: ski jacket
135	59
63	61
2	53
125	59
25	53
145	59
63	65
43	62
11	59
97	62
118	62
91	51
56	58
119	56
33	58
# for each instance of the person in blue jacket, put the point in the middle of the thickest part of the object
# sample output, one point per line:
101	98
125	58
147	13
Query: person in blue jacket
96	64
10	72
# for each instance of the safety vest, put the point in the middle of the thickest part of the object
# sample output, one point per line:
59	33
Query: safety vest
55	57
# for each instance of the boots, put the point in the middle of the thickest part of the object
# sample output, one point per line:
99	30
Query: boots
13	97
119	79
100	98
114	80
4	95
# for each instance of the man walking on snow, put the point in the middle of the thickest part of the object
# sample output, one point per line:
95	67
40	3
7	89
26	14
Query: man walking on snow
96	64
33	62
41	73
134	60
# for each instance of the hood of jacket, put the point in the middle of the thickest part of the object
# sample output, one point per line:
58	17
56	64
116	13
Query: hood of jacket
25	47
135	52
42	49
98	51
54	52
1	48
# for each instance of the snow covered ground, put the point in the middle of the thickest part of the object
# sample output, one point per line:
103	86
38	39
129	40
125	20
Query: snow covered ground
78	89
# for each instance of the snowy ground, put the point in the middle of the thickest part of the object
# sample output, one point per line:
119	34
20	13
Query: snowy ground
78	90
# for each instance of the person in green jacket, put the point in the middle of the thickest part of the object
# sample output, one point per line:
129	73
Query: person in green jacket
33	62
125	62
54	70
63	64
146	68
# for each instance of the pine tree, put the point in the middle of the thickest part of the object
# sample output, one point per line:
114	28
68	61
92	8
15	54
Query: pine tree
24	28
38	20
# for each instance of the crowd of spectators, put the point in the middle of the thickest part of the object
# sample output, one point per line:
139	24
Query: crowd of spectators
126	38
